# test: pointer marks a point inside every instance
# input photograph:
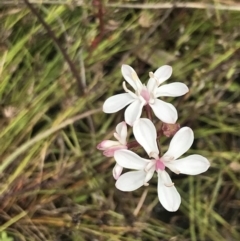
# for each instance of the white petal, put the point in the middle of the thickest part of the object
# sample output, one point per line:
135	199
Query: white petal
121	130
180	142
117	171
166	112
117	102
130	160
191	165
131	181
133	112
173	90
145	133
168	195
163	73
130	76
149	175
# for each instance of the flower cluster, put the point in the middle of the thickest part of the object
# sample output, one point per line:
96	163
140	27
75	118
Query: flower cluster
146	135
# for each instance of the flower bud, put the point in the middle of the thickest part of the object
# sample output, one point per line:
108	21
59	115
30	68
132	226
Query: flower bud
170	129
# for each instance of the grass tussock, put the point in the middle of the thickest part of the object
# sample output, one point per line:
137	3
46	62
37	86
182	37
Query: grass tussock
54	184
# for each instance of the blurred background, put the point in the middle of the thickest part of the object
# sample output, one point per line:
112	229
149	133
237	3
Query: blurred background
59	61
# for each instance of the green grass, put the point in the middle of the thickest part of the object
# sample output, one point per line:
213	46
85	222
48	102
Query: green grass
54	184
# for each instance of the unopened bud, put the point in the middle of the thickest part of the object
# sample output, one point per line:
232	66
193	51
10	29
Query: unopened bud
170	129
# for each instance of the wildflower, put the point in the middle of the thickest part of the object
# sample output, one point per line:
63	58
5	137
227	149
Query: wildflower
146	95
145	133
109	147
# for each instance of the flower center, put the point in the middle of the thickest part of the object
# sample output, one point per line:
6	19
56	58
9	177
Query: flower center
159	165
145	94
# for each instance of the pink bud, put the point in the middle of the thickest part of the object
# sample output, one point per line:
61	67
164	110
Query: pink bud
110	151
104	145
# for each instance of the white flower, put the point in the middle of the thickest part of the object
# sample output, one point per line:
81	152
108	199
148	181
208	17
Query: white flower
109	147
146	95
145	134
